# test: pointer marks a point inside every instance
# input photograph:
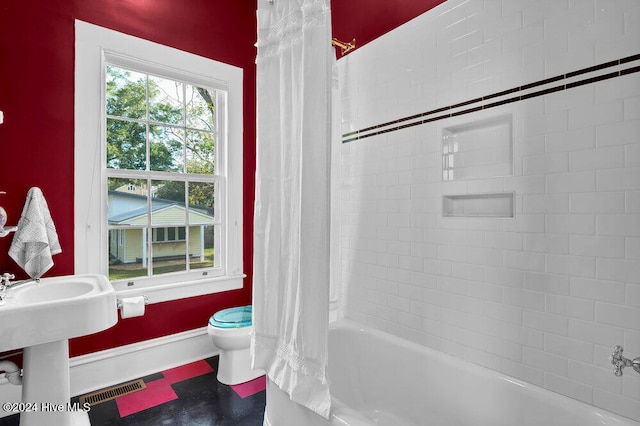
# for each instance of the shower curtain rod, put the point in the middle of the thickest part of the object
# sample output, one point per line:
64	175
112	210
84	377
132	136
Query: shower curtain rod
337	43
344	46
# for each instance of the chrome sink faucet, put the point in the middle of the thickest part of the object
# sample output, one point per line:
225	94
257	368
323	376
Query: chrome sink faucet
5	281
620	362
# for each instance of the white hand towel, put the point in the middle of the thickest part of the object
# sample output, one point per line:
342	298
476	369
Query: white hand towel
35	240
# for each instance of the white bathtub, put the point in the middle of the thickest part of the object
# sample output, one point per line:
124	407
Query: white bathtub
379	379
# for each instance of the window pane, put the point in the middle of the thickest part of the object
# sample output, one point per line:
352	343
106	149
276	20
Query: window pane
158	235
126	93
201	199
127	201
166	149
166	101
200	107
127	253
201	244
200	152
126	145
169	256
159	125
167	204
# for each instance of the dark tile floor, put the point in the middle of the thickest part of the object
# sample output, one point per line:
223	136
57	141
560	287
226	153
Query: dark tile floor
190	396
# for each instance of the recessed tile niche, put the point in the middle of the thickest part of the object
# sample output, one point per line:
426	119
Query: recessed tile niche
478	205
477	150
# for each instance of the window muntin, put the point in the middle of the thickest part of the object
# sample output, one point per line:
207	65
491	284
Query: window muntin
161	173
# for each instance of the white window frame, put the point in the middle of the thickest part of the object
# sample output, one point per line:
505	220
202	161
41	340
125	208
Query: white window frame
95	46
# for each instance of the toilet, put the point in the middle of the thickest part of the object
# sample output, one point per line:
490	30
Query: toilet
230	330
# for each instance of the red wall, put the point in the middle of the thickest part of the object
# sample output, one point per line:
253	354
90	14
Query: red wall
37	92
366	20
36	140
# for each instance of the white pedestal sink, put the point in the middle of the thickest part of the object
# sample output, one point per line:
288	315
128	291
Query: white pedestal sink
41	318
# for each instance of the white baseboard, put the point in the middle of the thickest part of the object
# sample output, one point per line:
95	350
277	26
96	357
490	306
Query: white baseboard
112	366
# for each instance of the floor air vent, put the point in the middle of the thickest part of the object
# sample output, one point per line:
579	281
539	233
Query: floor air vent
112	392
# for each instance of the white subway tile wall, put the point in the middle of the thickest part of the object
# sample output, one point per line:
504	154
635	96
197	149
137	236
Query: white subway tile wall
544	296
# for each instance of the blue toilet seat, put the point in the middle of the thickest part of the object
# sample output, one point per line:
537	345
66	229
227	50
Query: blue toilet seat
232	318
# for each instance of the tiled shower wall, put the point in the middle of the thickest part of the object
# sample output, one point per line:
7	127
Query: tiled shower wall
543	296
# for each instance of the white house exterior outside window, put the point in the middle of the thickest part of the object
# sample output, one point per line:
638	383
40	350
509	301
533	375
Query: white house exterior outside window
158	166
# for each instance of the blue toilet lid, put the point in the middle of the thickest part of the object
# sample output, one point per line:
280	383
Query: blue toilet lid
232	317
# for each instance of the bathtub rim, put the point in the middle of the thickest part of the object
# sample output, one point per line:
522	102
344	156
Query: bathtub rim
546	395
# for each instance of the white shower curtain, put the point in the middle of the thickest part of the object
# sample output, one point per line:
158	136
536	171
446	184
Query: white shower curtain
291	226
337	292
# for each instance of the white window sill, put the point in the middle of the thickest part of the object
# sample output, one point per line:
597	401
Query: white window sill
182	289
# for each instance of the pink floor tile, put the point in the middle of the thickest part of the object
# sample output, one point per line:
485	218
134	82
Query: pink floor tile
157	392
249	388
187	371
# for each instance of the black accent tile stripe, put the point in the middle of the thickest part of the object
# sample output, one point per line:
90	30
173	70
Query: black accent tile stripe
467	111
593	79
594	68
382	128
461	104
542	82
630	70
503	93
630	58
503	102
542	92
429	120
